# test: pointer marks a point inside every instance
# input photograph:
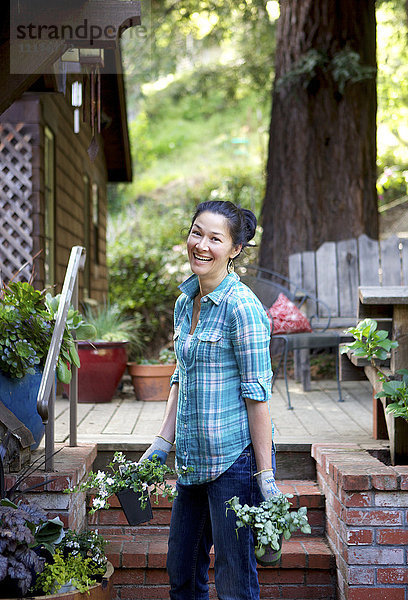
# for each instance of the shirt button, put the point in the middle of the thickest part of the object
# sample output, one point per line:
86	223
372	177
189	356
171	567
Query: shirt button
185	425
199	322
205	299
185	453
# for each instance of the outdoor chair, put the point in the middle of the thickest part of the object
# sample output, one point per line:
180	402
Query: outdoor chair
267	285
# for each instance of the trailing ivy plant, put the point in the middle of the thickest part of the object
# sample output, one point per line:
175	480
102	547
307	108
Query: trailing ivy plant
27	319
270	520
372	344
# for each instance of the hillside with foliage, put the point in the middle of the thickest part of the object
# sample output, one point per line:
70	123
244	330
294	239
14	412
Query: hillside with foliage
199	115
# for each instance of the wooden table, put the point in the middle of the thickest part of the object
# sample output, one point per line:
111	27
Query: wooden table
388	305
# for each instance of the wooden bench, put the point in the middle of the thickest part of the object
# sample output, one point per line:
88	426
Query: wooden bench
337	269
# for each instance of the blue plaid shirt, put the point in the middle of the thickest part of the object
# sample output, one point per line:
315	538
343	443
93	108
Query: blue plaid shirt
227	361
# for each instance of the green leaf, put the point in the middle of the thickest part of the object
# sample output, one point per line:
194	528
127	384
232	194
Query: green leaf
63	373
381	354
86	331
391	387
7	502
74	356
385	344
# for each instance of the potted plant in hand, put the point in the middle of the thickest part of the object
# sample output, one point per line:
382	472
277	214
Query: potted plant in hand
27	319
151	378
270	522
130	481
103	360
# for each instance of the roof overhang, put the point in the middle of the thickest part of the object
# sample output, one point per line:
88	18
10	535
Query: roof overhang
28	67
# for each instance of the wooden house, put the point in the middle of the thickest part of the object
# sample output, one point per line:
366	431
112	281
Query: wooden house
53	189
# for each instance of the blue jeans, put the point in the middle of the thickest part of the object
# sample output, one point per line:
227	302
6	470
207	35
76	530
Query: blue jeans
198	521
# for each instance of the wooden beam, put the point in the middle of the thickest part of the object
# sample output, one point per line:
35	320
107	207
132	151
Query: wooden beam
13	85
26	54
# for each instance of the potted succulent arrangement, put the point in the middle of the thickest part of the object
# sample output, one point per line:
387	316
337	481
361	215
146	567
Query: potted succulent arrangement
27	319
103	360
374	345
270	522
151	378
133	483
38	558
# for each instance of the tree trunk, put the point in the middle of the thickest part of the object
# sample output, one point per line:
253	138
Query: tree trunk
321	170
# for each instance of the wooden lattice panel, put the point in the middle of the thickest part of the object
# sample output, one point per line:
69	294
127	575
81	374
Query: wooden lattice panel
15	200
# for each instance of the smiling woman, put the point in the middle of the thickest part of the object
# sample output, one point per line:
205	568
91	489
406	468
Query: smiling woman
217	409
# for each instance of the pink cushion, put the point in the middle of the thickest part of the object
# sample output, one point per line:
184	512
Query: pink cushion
287	318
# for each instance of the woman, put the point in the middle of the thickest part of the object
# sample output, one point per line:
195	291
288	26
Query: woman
217	411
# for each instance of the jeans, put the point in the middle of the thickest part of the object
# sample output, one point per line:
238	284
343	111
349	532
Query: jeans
198	521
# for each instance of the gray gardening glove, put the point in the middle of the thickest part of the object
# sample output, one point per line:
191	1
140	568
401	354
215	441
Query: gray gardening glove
160	448
267	484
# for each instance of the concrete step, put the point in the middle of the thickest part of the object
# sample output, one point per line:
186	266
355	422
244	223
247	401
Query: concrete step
293	460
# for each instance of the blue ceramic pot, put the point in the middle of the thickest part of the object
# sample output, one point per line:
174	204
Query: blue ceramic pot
20	397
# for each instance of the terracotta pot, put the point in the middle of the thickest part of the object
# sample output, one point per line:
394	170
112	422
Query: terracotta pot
102	368
99	591
151	382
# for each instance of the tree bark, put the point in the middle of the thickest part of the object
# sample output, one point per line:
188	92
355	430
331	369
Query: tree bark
321	169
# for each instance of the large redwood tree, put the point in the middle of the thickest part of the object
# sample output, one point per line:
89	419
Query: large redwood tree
321	169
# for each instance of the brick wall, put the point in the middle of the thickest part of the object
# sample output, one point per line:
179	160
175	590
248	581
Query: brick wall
367	521
71	465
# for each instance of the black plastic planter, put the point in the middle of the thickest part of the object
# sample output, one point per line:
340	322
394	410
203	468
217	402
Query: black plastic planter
130	502
271	556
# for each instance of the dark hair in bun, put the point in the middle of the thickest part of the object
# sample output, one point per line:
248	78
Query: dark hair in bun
241	221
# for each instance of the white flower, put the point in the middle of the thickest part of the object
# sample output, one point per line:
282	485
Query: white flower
98	503
144	486
100	476
109	481
119	457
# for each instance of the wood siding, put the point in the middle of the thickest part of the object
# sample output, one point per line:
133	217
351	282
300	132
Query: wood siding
52	110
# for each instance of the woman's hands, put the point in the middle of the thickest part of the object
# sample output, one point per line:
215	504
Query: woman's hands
160	448
267	484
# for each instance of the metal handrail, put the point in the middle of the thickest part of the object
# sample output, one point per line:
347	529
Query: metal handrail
46	393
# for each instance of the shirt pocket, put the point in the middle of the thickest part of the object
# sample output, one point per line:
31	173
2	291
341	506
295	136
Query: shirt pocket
209	346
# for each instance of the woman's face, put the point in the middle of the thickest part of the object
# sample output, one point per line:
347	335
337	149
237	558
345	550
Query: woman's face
210	246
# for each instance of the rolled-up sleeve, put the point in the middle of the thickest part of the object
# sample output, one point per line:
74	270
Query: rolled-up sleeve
175	377
250	334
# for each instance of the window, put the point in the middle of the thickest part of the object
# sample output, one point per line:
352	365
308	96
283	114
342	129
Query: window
49	210
95	221
87	235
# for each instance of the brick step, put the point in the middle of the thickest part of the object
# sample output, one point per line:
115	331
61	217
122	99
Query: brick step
306	570
305	493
